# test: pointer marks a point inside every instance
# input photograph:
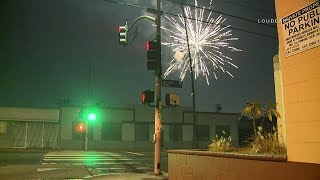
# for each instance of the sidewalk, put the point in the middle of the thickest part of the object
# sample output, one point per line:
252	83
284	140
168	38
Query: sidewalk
23	149
68	172
28	149
131	176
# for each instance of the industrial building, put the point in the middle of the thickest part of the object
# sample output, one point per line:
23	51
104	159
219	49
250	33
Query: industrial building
130	127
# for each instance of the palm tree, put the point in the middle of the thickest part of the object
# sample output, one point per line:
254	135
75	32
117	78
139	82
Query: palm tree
254	110
271	111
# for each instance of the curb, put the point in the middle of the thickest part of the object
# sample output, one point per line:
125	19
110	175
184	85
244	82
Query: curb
132	176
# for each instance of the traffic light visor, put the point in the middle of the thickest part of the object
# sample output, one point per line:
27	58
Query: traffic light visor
122	29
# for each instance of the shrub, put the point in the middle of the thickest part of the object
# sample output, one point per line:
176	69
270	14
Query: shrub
267	143
220	144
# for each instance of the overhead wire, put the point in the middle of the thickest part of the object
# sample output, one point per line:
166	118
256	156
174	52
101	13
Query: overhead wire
230	15
145	8
249	7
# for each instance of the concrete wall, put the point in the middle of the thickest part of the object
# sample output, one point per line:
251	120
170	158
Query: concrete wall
278	84
193	166
28	127
301	87
29	114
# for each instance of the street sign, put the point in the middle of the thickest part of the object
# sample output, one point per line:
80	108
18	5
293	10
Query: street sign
171	83
88	102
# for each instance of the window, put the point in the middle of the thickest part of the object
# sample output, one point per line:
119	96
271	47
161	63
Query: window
175	132
3	127
224	128
111	131
142	132
203	133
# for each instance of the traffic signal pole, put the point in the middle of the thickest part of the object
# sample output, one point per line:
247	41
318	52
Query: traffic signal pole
86	138
158	107
123	32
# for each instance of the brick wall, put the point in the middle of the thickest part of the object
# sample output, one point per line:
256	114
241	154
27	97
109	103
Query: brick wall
190	166
301	87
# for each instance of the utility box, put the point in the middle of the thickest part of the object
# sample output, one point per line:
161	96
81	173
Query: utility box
172	99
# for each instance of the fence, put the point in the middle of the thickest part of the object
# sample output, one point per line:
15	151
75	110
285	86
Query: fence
18	134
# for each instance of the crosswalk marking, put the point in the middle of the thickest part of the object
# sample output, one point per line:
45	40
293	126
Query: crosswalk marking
103	162
86	159
110	168
135	153
50	169
79	155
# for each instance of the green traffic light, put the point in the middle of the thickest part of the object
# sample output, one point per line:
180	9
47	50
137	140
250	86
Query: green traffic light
92	116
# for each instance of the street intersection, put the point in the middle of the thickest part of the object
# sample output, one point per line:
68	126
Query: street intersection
78	164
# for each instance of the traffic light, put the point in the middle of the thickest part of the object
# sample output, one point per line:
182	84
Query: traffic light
123	34
80	127
153	54
147	96
172	99
92	116
89	114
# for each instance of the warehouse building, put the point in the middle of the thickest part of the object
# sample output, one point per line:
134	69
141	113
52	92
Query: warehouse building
130	127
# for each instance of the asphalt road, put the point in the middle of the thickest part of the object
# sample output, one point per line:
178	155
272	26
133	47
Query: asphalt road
77	164
14	158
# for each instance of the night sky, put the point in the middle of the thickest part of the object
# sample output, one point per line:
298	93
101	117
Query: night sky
47	46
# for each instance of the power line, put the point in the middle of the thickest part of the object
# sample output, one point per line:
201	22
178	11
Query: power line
139	7
251	32
126	4
230	15
249	7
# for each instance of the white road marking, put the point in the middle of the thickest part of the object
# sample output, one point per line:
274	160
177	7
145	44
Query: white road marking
80	155
96	163
143	168
135	153
50	169
84	159
111	168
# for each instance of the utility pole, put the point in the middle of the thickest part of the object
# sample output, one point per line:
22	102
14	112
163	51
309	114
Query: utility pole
89	97
194	115
123	31
158	107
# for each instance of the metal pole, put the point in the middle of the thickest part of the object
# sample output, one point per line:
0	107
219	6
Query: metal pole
86	138
42	135
26	135
194	115
89	98
157	122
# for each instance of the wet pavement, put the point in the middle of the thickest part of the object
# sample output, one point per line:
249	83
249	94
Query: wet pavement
80	164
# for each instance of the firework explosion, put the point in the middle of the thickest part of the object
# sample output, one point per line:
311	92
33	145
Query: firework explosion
205	42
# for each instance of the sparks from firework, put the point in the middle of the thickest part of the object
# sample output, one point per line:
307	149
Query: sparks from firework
205	42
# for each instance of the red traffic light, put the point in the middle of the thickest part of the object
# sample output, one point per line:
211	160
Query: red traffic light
153	50
80	127
143	97
147	96
123	32
148	45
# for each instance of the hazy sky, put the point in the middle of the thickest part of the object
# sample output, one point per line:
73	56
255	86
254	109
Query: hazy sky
46	47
